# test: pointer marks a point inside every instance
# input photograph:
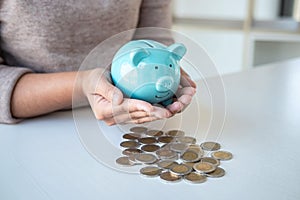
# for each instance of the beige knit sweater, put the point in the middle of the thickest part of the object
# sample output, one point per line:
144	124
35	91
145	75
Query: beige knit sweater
53	35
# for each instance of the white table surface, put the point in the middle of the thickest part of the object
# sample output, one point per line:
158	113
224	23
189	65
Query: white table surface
43	158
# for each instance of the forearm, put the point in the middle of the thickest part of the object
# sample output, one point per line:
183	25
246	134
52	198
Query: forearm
37	94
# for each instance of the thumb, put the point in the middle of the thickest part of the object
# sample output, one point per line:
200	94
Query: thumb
110	92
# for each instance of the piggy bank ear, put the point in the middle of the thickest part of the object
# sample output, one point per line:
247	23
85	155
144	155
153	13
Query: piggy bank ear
138	55
178	50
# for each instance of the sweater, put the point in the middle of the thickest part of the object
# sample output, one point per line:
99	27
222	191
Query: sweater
46	36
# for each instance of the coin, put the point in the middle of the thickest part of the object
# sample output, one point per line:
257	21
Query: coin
196	148
166	154
124	161
190	156
131	151
218	172
150	147
154	133
165	139
211	160
210	146
175	133
138	129
169	176
191	164
146	158
204	167
147	140
195	177
186	139
150	171
166	146
180	169
131	136
129	144
178	147
222	155
166	164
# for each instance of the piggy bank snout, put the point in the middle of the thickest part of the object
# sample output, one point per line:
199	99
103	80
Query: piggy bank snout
164	84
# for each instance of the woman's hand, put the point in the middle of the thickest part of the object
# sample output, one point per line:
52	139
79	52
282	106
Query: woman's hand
108	104
184	94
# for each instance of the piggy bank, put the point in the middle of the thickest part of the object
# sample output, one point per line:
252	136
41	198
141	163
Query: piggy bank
148	70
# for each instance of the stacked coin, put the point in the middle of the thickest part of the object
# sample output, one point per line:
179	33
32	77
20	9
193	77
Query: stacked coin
172	155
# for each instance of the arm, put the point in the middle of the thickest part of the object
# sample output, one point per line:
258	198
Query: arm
37	94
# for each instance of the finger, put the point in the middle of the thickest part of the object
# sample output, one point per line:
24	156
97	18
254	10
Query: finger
175	107
106	89
186	80
160	112
123	118
186	91
142	120
132	105
185	100
104	109
181	103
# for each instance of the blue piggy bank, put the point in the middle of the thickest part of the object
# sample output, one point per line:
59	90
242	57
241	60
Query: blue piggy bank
148	70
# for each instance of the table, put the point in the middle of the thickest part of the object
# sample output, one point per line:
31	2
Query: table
43	158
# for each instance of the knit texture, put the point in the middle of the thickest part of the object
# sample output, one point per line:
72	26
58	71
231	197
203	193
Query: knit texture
45	36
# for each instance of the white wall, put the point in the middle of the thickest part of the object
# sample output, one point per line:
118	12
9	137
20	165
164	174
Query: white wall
216	9
224	47
266	9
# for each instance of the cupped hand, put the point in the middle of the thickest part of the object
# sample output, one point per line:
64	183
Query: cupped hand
109	105
184	94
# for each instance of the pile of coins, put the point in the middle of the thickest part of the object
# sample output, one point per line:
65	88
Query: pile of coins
171	155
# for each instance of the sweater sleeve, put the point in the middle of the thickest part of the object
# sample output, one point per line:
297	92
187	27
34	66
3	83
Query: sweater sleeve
8	78
155	14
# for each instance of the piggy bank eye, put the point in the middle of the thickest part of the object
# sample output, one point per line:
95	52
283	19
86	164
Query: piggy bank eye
156	67
170	65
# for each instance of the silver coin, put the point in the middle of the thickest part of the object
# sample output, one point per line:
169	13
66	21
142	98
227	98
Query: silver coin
129	144
147	140
166	164
178	147
210	146
181	169
186	139
170	177
150	147
131	151
125	161
175	133
150	171
166	154
138	129
222	155
218	172
196	148
211	160
190	156
166	139
195	177
191	164
145	158
154	133
204	167
132	136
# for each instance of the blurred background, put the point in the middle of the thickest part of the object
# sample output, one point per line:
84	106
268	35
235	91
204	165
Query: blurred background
241	34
